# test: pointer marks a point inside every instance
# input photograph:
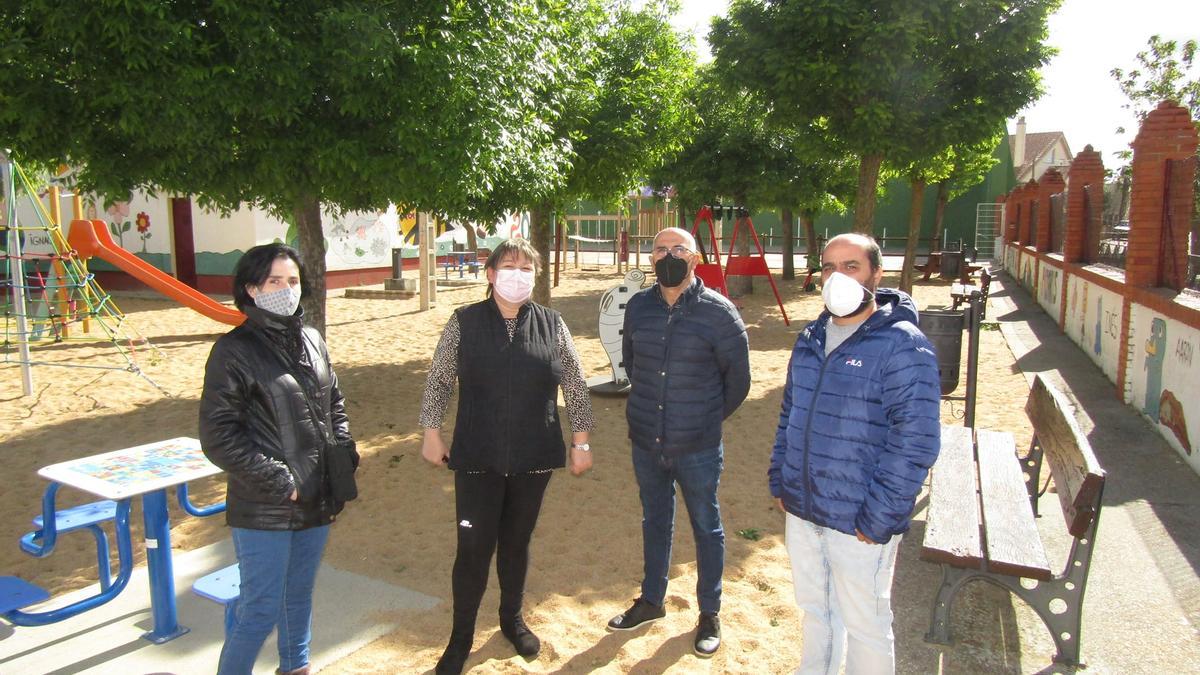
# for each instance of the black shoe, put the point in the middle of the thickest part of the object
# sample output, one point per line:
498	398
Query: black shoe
642	612
526	643
708	635
455	656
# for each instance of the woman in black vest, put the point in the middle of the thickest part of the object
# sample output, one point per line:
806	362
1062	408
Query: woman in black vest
510	356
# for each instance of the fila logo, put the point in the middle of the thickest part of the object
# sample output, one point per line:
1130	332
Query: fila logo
857	363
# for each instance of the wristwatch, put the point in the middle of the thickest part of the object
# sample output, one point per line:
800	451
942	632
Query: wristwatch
586	447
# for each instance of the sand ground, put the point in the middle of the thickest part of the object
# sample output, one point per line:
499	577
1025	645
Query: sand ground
586	556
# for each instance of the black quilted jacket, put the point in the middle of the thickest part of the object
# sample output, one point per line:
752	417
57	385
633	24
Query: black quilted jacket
256	425
689	365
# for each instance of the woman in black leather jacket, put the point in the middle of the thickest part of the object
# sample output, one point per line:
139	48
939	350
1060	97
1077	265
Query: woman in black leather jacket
270	401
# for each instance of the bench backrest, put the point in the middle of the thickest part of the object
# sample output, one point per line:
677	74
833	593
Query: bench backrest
1077	475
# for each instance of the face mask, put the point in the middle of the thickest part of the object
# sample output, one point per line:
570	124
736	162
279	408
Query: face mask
671	271
514	286
282	302
844	296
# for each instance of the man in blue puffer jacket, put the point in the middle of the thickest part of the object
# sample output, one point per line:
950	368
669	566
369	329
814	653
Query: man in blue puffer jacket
857	434
685	350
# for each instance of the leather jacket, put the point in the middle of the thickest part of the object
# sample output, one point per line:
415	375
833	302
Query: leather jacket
256	424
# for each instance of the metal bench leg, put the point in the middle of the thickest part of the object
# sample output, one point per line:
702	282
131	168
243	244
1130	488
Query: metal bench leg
102	563
953	579
1031	466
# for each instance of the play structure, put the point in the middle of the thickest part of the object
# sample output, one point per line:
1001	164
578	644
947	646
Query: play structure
47	295
752	265
91	238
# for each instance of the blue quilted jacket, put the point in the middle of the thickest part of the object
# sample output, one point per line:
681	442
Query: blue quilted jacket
689	365
859	430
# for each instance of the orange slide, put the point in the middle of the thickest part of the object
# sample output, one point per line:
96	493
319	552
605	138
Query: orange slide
91	238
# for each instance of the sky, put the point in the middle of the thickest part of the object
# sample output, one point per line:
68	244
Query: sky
1092	37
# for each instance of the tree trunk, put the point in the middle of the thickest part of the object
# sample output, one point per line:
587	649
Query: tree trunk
812	250
864	196
789	243
914	234
472	242
307	212
542	238
939	214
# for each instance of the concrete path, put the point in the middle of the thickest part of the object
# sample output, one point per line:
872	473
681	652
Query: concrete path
350	611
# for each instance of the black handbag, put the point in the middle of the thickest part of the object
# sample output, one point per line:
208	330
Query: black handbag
341	459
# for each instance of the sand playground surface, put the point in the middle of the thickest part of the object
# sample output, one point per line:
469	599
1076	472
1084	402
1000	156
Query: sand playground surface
586	554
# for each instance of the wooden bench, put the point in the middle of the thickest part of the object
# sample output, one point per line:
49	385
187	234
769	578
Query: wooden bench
933	265
960	294
982	524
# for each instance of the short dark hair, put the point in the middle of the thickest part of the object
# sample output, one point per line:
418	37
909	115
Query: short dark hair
868	245
517	247
254	267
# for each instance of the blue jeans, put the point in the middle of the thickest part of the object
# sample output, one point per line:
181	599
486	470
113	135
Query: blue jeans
698	475
278	569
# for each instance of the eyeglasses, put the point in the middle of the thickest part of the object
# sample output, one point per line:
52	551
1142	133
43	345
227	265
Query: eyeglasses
678	250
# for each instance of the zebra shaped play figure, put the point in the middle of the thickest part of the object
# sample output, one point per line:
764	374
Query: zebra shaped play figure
612	319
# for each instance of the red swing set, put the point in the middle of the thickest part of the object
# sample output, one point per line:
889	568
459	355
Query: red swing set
754	265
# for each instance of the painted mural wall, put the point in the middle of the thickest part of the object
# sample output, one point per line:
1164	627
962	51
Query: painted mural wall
142	224
1093	321
1164	378
1049	288
138	223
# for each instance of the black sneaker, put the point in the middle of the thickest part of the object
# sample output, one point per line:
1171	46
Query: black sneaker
708	635
641	613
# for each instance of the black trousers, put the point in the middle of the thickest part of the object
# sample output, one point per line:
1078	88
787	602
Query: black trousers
495	513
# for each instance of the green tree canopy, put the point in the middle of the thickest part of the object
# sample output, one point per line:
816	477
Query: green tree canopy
899	81
294	105
624	114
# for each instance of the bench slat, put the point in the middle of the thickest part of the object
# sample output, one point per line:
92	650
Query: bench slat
1014	546
1077	474
952	521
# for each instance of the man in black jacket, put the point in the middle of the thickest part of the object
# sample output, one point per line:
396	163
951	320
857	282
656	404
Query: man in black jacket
685	350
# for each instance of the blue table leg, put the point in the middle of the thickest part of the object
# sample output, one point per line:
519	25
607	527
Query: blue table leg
161	571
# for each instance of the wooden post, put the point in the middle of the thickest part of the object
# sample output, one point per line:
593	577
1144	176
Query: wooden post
577	235
558	246
62	294
427	256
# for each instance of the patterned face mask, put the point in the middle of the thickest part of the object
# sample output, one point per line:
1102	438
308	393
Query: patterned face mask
282	302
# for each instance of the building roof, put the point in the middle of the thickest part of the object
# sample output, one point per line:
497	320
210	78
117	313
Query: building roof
1036	145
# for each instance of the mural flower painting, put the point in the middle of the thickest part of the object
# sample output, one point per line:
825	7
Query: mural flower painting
143	228
118	223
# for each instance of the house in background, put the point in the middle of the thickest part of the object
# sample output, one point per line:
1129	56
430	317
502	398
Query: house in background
1034	153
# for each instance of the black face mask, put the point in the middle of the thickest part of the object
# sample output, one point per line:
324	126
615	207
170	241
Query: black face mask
671	271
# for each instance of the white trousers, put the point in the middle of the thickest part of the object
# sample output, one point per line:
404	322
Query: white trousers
844	587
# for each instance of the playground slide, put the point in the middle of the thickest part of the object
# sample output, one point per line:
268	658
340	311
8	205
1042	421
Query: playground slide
91	238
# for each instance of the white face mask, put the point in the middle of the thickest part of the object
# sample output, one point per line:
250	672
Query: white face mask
844	296
282	302
514	286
